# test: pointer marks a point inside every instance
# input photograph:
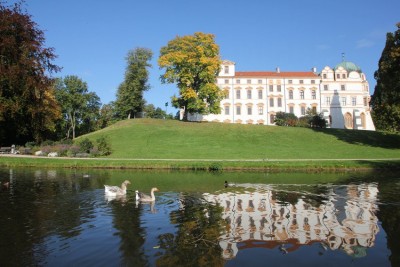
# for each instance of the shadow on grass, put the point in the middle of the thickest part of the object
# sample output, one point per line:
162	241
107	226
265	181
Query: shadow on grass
367	138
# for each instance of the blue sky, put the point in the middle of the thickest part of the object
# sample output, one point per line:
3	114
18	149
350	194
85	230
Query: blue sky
93	37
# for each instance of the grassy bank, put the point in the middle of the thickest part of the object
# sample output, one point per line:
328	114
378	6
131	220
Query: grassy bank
207	165
166	144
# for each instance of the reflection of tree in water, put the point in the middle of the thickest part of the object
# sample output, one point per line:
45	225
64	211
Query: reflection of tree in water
389	215
48	204
196	241
127	221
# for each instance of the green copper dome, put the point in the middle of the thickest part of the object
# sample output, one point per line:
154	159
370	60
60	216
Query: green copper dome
349	66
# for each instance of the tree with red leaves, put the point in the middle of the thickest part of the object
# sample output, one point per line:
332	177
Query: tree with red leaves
28	108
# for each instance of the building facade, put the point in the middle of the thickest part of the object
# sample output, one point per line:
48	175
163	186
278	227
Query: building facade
341	94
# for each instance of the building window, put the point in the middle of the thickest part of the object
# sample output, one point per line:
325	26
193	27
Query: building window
301	94
248	94
290	81
328	100
226	81
290	94
259	81
260	94
301	81
312	81
272	118
365	102
291	109
249	110
260	110
337	76
271	88
343	76
238	94
326	87
238	81
279	88
279	102
303	110
343	101
226	69
271	102
354	101
314	109
226	110
238	110
313	94
342	87
248	81
324	75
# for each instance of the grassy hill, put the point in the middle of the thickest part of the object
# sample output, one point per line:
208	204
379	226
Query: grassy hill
167	139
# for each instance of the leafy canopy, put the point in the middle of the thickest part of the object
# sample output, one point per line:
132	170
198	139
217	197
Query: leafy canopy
193	63
80	108
28	107
130	92
386	98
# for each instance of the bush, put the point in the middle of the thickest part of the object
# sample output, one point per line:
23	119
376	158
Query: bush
103	146
85	145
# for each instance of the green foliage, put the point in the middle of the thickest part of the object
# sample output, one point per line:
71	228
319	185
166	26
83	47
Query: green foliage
103	146
130	92
28	108
386	99
80	108
156	113
285	119
85	145
193	63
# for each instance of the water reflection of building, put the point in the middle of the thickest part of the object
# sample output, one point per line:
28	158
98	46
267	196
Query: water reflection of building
344	220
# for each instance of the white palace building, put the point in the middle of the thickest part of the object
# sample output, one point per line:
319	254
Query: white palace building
341	94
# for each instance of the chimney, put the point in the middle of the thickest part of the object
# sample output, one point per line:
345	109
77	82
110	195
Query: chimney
278	70
314	69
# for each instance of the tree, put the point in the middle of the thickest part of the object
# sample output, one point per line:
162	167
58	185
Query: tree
28	108
193	62
385	101
79	106
130	92
106	115
312	119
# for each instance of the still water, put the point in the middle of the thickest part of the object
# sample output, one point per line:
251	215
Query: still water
62	218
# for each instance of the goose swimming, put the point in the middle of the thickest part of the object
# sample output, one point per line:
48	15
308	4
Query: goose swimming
112	190
146	198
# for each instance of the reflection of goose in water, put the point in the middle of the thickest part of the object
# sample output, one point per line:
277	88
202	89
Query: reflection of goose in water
6	185
112	190
146	198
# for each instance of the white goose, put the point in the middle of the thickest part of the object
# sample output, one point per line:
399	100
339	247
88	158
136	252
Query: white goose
146	198
112	190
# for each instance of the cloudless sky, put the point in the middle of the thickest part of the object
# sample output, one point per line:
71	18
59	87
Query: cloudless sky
93	37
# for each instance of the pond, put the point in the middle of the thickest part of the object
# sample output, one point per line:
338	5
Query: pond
58	217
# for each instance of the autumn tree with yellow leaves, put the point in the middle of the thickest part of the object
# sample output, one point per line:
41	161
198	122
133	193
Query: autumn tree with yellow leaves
193	63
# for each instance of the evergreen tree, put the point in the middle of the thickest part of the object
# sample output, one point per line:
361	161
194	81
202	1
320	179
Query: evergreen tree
386	98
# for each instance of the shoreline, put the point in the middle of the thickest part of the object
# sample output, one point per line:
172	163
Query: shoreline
307	165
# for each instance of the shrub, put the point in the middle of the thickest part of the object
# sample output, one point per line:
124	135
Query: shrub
103	146
73	150
85	145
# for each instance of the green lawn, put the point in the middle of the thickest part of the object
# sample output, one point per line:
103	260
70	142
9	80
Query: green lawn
167	139
167	144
